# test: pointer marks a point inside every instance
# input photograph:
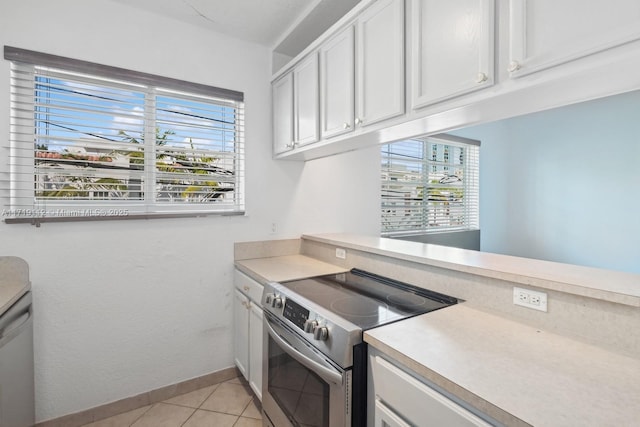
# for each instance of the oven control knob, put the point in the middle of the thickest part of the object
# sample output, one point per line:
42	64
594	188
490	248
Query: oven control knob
321	333
310	325
268	299
277	302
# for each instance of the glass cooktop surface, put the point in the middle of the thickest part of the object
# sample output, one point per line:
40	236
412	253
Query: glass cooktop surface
368	300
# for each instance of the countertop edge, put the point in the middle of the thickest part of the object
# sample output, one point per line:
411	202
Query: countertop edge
249	272
22	292
14	281
478	357
454	382
447	385
285	267
570	279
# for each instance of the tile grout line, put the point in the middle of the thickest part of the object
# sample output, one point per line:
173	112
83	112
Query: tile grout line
178	406
141	415
242	412
209	395
199	406
240	416
201	403
189	417
112	409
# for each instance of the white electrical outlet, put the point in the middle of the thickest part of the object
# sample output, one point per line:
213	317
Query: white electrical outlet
341	253
530	299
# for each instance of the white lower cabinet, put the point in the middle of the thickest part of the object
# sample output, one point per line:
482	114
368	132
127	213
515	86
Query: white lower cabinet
248	330
385	417
402	400
241	332
255	349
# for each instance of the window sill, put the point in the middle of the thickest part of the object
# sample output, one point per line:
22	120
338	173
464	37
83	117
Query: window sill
37	221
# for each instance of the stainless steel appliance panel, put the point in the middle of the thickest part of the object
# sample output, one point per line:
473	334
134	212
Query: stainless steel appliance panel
342	335
314	358
301	386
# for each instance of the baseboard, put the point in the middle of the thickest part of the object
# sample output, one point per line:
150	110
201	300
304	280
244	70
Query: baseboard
143	399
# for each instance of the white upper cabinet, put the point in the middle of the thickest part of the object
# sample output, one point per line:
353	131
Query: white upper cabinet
452	48
296	106
380	62
306	103
355	86
337	95
282	92
545	33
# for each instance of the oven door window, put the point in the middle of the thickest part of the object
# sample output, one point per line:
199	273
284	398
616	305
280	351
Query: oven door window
300	393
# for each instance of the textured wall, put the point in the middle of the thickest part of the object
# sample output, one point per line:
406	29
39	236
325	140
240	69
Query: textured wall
128	306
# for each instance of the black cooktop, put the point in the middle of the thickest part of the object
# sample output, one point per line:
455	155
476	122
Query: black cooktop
368	300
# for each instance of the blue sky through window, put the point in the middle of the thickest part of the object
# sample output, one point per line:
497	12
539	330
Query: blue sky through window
104	124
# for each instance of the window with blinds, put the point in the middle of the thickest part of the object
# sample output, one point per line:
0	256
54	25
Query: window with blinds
430	185
119	144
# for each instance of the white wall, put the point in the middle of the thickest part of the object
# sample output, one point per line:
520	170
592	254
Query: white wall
562	184
123	307
339	192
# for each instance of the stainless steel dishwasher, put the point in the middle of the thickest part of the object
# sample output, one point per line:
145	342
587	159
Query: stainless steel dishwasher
17	407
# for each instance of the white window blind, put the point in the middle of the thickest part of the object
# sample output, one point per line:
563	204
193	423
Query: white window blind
118	145
430	184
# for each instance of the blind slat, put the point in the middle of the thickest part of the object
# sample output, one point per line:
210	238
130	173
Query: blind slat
18	55
429	184
79	142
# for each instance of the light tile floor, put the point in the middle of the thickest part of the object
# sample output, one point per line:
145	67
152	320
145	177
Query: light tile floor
228	404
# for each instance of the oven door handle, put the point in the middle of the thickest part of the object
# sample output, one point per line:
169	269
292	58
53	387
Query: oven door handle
326	373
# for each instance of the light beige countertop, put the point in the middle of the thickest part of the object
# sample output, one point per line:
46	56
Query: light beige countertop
14	281
287	267
606	285
522	367
507	369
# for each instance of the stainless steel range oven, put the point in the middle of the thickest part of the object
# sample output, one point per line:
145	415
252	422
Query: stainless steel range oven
314	364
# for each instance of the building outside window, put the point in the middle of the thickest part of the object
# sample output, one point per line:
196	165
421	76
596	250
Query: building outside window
119	143
430	185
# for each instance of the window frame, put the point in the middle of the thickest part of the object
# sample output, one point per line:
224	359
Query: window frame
418	189
150	85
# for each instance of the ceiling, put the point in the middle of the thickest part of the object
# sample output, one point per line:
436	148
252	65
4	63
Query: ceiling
259	21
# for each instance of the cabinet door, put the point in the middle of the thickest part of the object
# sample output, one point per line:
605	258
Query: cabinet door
380	62
306	104
545	33
255	350
385	417
241	332
451	48
416	402
282	92
337	94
